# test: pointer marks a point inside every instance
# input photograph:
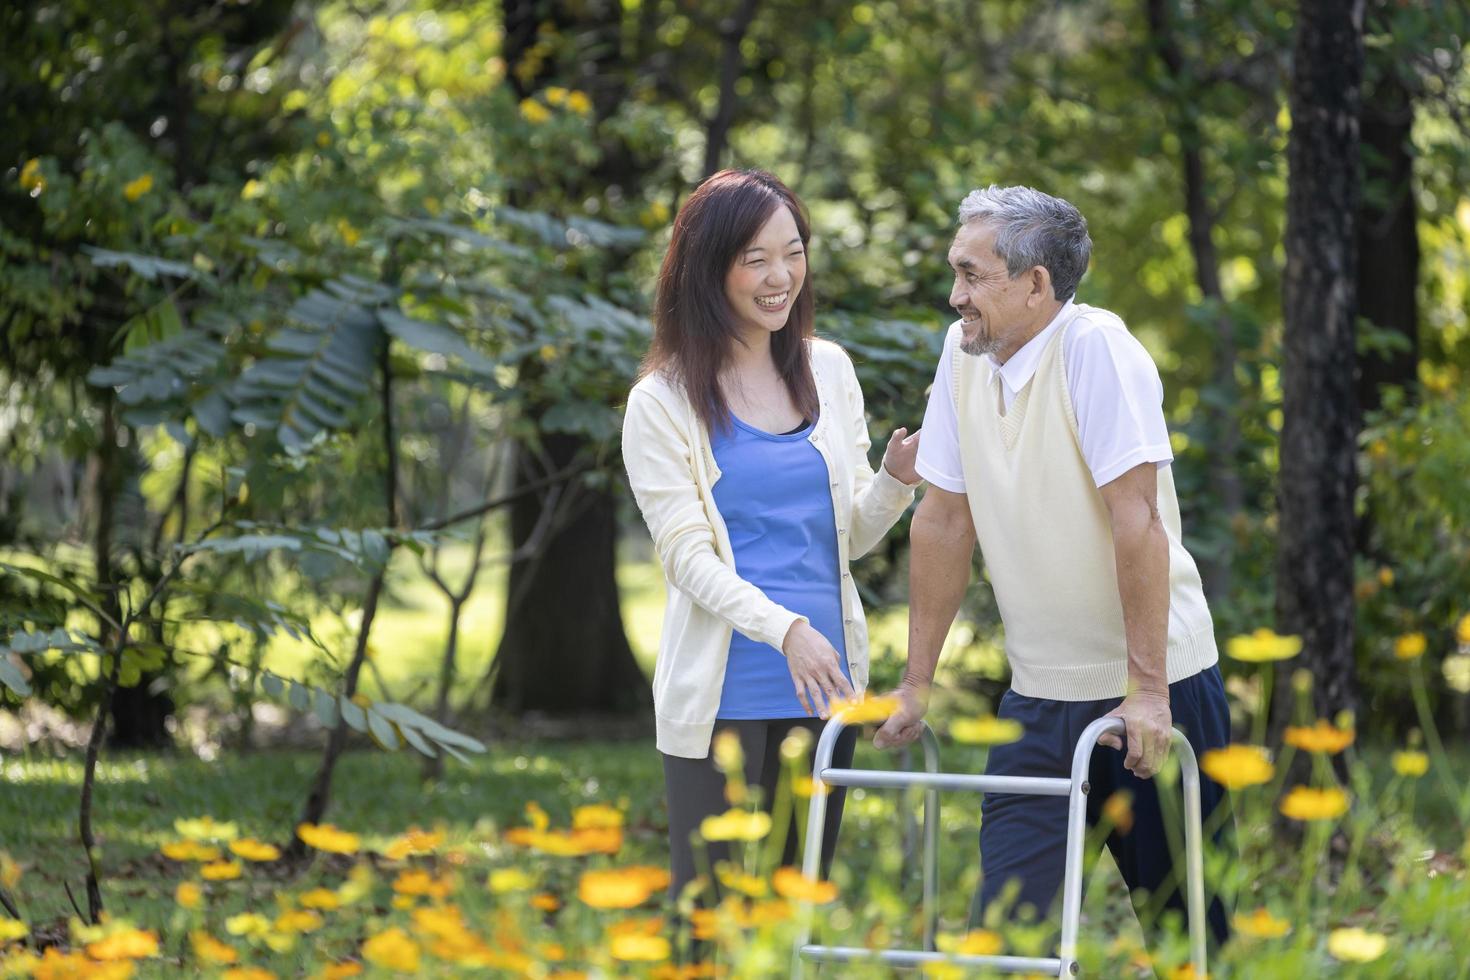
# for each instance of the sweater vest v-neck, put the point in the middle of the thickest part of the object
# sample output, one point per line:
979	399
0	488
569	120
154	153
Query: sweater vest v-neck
1047	542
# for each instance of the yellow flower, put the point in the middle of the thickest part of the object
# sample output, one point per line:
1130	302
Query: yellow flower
1356	945
207	949
1456	669
726	751
9	871
340	971
1385	577
790	883
30	176
1412	764
248	924
220	871
247	973
189	895
865	709
1262	646
11	930
988	730
254	850
298	920
639	948
555	95
321	898
190	850
545	902
392	949
621	888
328	838
534	112
732	877
414	841
579	103
504	880
978	942
1320	739
350	235
1261	924
743	825
1462	631
1305	803
125	944
252	190
206	828
1238	766
135	189
596	815
358	885
1410	646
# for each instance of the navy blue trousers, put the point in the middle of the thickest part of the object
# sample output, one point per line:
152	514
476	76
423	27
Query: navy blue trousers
1023	838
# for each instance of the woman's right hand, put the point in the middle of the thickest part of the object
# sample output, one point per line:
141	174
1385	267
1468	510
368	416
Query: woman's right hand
816	669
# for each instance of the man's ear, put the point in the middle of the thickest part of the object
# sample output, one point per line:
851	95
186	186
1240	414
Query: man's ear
1041	291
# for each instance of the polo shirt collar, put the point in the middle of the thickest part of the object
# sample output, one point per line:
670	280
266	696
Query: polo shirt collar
1015	372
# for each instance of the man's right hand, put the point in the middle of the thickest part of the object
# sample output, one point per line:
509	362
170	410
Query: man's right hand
905	725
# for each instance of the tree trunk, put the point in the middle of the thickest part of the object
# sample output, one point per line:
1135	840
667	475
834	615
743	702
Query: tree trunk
1388	285
1314	570
564	650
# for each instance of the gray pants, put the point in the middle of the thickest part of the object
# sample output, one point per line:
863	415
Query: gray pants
696	789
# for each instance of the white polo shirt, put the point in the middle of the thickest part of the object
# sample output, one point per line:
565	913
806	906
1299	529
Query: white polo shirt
1115	389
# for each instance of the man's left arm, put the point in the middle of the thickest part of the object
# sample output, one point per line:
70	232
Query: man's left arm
1141	549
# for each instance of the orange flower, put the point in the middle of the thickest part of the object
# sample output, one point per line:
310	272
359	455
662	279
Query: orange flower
189	895
621	888
792	884
1118	811
1323	738
189	850
321	898
596	816
422	884
414	841
125	944
639	948
340	971
207	949
545	902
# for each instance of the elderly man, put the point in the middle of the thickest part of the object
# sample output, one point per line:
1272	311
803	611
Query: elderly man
1045	440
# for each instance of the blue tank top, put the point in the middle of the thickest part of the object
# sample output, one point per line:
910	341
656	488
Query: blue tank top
773	493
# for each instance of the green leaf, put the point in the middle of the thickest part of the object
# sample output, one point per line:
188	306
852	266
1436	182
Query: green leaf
355	717
12	678
147	266
434	338
381	730
40	576
326	708
274	686
300	696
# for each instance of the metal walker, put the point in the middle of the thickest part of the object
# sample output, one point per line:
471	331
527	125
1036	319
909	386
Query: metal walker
932	780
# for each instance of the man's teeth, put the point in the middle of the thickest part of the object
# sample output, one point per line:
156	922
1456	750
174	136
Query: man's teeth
772	301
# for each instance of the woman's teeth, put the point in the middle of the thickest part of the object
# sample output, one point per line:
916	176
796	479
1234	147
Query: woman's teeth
772	302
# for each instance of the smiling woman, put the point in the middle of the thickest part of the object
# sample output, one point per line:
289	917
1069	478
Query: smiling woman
746	447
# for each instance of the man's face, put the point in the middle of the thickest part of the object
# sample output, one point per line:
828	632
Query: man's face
992	304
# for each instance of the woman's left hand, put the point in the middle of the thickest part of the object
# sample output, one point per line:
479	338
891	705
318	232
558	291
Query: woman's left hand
900	456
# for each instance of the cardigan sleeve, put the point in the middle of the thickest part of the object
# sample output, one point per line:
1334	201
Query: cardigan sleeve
878	499
660	465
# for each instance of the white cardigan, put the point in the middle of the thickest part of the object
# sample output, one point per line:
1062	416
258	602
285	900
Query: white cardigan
672	471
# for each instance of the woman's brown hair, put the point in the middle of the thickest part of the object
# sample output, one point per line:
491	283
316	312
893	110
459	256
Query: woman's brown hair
693	325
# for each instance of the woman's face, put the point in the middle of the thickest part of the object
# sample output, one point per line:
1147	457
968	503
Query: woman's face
767	275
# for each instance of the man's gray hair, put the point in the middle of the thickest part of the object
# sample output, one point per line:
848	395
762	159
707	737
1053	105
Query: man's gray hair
1033	229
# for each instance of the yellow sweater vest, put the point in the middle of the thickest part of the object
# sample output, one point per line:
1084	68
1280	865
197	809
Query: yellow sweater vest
1047	541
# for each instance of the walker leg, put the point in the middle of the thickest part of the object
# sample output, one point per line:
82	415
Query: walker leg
1194	863
931	844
